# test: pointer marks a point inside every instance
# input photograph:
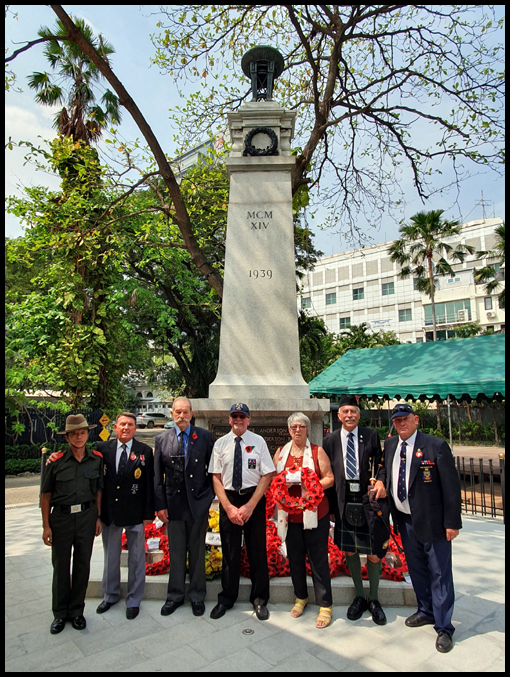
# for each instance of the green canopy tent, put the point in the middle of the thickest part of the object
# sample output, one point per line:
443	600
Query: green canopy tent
463	368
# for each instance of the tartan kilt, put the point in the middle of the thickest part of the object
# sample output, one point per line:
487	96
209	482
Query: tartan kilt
352	539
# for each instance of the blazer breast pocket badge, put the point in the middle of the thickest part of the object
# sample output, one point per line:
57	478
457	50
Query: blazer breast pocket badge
138	474
426	468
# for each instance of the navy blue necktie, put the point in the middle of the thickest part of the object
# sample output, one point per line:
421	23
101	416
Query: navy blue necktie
237	475
180	444
351	457
401	489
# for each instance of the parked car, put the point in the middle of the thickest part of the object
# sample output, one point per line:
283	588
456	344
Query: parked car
169	425
151	419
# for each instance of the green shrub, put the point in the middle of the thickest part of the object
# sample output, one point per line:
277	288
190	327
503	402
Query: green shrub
15	466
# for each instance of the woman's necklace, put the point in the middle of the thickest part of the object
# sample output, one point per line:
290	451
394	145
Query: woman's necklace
294	449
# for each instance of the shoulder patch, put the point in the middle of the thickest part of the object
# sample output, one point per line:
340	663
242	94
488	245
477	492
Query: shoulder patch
97	453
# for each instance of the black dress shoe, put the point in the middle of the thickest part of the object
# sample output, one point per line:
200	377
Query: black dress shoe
357	608
57	626
378	615
198	608
169	607
79	622
261	611
416	621
132	612
444	642
104	606
218	611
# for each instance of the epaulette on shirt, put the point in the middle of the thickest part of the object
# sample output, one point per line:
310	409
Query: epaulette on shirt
58	455
97	453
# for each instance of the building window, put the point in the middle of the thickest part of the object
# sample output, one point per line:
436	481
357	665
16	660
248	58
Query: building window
345	322
488	303
453	311
331	299
405	315
388	288
358	294
451	280
306	302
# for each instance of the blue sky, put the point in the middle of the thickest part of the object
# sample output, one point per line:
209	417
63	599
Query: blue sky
128	28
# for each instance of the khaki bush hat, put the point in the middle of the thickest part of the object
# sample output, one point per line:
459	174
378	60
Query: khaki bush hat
76	422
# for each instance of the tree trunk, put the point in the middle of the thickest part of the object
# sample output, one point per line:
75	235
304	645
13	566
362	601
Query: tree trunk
432	306
438	411
468	409
458	420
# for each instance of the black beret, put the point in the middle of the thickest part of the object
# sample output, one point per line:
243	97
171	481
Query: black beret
348	401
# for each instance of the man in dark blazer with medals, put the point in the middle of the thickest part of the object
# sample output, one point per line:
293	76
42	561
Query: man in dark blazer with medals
425	501
127	504
183	489
353	451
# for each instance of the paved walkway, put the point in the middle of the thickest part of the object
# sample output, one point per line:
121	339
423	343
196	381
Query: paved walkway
183	643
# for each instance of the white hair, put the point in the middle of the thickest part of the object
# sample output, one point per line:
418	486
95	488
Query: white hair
298	416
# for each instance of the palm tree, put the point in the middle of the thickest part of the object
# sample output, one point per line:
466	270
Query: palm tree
489	275
420	243
81	117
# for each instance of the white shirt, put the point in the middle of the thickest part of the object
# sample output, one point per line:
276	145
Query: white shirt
257	460
119	451
344	434
410	442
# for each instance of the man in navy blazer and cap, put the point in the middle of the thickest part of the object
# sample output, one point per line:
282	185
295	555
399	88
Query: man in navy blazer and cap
183	489
354	452
425	501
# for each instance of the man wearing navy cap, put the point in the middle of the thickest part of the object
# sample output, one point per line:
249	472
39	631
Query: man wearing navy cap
354	451
242	469
425	501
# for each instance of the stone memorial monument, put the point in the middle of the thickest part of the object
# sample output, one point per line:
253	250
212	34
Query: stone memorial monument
259	360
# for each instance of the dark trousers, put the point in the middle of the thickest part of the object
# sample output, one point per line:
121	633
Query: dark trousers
255	538
73	537
430	568
187	537
301	542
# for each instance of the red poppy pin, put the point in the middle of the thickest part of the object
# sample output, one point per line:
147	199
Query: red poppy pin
194	436
133	457
248	449
419	453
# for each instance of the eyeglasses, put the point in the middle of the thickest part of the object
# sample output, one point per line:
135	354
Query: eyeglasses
241	416
297	427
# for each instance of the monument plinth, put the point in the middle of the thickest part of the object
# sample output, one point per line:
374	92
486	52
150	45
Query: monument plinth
259	361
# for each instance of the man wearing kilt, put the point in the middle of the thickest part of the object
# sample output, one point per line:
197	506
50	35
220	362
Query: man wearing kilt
352	450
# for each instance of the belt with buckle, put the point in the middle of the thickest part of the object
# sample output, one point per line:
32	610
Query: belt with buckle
240	492
70	509
354	487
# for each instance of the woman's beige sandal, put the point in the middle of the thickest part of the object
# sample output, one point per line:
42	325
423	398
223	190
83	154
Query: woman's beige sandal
299	607
324	617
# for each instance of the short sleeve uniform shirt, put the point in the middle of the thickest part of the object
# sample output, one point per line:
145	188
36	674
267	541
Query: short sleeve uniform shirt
257	460
71	482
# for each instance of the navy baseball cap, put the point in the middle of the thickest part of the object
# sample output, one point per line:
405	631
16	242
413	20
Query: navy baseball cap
240	409
401	410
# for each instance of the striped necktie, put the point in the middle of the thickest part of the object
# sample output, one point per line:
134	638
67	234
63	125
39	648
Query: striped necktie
401	489
351	457
237	475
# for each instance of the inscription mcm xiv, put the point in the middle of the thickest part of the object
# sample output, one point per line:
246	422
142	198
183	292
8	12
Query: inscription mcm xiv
260	214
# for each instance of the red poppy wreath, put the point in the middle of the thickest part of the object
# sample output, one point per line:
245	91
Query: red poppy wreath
296	504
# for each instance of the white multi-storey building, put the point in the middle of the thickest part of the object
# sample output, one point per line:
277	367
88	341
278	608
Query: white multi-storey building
363	285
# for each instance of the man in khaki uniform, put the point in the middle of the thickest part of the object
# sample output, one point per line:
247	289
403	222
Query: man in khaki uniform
71	511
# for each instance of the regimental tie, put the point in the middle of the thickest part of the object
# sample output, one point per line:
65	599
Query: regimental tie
237	475
401	489
180	447
351	457
122	462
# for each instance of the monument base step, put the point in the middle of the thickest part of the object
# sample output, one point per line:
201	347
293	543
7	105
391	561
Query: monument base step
391	593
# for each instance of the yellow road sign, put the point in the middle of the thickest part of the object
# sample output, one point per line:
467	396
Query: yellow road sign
104	420
104	434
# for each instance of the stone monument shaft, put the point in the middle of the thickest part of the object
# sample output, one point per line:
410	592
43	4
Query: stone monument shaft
259	342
